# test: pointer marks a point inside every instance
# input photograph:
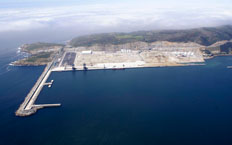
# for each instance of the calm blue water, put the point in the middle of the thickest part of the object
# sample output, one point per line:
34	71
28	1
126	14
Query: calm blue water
152	106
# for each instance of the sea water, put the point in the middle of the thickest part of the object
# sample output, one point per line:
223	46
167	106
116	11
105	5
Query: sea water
147	106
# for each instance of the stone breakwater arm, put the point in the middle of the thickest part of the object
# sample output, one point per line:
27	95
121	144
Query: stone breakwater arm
27	107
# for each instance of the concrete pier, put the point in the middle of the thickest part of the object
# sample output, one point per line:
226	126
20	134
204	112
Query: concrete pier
46	105
28	107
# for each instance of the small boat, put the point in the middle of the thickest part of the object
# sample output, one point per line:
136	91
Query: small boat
229	67
11	64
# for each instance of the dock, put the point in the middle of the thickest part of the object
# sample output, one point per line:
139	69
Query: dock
46	105
28	107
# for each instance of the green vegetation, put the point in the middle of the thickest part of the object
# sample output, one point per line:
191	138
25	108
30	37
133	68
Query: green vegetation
41	53
203	36
40	57
37	59
39	46
129	37
226	48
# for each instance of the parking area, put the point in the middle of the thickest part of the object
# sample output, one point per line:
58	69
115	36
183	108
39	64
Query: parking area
69	59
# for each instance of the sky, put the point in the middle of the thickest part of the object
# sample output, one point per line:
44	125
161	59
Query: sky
56	20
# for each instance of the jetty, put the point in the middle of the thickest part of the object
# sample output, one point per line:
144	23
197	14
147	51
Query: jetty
28	107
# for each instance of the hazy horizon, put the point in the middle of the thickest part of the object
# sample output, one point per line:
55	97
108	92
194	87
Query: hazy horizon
57	20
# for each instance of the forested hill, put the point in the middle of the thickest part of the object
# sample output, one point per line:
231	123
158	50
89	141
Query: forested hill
205	36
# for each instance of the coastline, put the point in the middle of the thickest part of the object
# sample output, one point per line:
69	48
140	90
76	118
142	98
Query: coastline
65	61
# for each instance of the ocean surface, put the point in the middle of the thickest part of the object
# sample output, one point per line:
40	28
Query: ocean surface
151	106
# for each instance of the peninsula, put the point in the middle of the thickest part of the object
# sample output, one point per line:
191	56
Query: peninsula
135	49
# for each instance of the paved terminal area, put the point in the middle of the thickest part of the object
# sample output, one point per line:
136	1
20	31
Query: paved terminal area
69	59
129	58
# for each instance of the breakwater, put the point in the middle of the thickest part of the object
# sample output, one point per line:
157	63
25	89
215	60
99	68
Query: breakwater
28	107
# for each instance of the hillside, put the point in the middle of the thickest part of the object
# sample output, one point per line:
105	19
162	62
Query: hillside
34	48
40	53
204	36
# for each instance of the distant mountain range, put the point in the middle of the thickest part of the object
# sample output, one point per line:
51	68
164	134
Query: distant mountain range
204	36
